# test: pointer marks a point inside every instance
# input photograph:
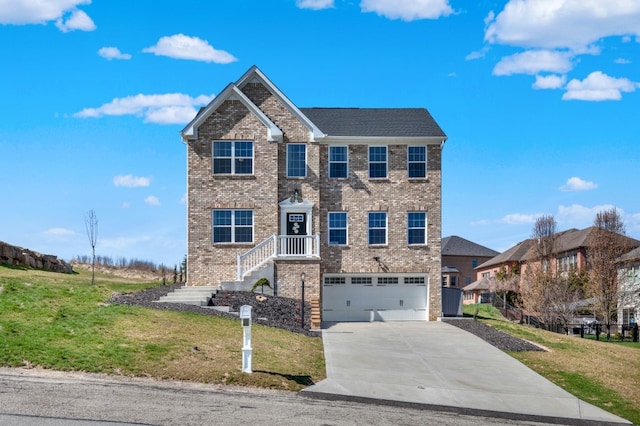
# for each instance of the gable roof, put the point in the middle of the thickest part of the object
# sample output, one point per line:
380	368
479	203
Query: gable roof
231	92
631	256
328	124
457	246
376	122
254	75
571	239
514	254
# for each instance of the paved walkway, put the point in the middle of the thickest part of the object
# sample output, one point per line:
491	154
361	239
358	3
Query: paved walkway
439	366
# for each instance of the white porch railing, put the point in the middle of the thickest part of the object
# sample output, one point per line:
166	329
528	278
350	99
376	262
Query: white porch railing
278	246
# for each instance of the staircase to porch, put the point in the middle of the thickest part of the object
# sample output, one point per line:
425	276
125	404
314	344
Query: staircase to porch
278	247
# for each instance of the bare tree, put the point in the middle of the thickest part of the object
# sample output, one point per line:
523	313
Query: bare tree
537	285
91	225
606	245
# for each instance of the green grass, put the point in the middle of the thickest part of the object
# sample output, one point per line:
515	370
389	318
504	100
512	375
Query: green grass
62	322
482	311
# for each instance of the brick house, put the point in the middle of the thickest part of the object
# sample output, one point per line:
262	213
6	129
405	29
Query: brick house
460	258
350	197
571	254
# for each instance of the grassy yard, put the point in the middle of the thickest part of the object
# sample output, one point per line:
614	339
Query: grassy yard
604	374
61	322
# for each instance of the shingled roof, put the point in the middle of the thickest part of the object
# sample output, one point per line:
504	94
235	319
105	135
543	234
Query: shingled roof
457	246
375	122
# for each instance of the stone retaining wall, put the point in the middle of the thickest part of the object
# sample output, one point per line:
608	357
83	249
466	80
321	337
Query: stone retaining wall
19	256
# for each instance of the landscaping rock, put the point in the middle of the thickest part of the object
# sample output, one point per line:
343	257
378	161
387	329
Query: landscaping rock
497	338
279	312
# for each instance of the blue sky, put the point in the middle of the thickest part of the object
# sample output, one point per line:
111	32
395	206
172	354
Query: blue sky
539	99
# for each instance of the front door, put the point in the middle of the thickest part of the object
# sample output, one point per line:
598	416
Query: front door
296	227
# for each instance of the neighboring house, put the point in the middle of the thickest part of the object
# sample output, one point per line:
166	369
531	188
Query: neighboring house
349	197
571	247
460	257
629	276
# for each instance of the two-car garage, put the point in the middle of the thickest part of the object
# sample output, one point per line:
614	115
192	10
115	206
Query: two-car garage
374	297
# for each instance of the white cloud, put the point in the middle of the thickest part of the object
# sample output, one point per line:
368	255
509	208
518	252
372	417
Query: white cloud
77	21
598	87
22	12
534	62
477	54
131	181
314	4
126	205
170	108
622	61
408	10
152	200
572	24
519	218
113	53
576	184
578	216
180	46
549	81
58	232
183	199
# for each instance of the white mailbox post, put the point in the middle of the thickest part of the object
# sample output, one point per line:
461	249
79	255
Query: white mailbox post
245	317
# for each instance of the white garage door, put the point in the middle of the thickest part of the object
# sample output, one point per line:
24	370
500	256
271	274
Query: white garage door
374	297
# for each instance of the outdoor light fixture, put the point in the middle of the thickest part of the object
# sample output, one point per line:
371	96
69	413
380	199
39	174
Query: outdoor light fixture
302	276
295	196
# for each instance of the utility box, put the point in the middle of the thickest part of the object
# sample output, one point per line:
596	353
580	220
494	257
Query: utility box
247	351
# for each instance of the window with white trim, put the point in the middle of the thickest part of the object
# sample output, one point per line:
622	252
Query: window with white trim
377	228
377	162
232	226
232	157
337	228
417	162
417	228
297	160
338	162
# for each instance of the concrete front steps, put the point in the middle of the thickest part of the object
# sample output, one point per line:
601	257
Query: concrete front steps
190	295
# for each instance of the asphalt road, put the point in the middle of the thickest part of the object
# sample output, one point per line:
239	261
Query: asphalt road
49	398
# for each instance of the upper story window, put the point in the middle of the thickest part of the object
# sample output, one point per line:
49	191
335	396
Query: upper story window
337	228
296	160
338	162
377	162
377	228
474	263
417	161
232	157
417	227
233	226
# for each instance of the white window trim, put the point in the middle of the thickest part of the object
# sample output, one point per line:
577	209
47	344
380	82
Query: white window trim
338	162
426	223
426	158
233	226
305	160
233	158
346	228
369	162
386	229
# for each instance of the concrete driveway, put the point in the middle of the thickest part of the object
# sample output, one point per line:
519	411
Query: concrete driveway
439	366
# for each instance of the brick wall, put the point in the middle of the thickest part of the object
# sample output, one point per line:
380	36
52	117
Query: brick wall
209	264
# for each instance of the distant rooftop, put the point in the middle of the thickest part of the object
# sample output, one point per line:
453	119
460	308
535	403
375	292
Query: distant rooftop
457	246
